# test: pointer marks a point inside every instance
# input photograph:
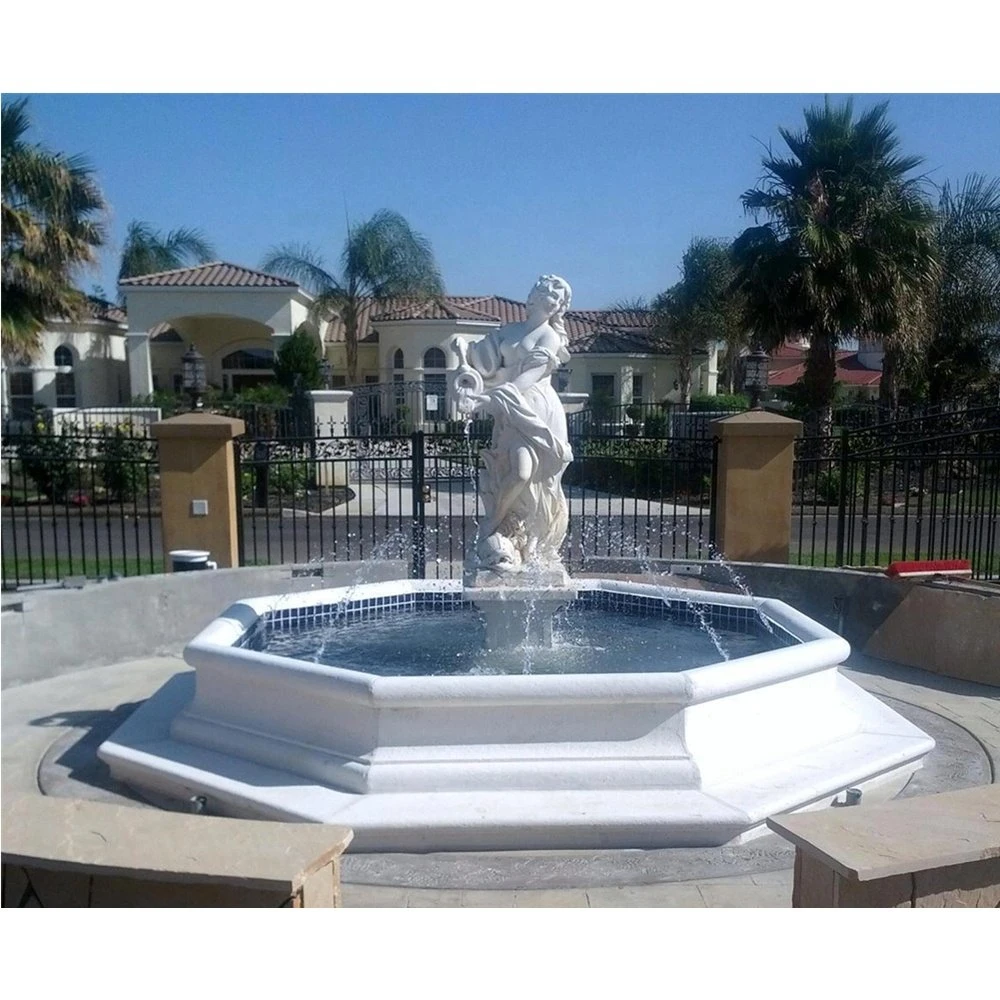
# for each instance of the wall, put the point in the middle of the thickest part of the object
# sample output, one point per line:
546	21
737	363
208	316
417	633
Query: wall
100	369
58	631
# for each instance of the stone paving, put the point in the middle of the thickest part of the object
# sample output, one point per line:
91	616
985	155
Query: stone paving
37	716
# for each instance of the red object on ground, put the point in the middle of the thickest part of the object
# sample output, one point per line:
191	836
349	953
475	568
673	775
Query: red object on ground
930	567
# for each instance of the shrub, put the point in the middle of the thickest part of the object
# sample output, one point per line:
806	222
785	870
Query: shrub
656	425
828	486
299	356
122	463
723	401
50	460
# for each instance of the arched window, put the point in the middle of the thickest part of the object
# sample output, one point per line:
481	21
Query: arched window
397	358
247	367
434	358
65	381
252	358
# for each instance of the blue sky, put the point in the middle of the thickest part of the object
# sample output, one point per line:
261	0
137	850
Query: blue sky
606	190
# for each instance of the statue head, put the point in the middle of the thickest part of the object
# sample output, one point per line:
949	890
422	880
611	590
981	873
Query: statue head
552	295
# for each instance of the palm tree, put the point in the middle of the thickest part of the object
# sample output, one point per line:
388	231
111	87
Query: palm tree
964	313
848	245
383	258
148	251
52	223
700	309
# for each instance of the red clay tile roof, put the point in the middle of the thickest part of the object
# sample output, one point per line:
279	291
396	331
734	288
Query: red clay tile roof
447	308
785	371
217	274
107	311
590	331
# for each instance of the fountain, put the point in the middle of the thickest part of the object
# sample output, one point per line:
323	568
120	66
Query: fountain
516	708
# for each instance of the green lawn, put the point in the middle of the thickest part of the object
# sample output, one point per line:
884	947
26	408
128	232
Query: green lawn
989	570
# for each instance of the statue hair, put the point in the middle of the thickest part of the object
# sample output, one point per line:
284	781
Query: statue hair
556	320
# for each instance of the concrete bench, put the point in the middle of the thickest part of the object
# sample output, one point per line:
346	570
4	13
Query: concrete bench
935	850
66	852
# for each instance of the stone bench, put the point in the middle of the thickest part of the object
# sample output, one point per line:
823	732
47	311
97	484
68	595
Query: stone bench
67	852
935	850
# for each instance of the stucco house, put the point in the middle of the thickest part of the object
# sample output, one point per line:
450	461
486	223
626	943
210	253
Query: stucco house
239	317
80	364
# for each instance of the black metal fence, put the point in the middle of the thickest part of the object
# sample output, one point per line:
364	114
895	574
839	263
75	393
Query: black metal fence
645	420
87	504
416	498
79	504
927	487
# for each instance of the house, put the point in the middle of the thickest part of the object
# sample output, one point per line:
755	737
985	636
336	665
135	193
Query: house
858	371
239	317
80	364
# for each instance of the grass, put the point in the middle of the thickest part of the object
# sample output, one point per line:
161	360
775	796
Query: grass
986	569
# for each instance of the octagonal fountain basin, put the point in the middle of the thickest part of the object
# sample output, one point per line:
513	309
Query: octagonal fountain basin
431	717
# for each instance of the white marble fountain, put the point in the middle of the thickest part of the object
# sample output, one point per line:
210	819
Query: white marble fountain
516	709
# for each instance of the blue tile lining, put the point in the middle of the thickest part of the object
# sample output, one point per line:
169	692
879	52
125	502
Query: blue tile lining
680	612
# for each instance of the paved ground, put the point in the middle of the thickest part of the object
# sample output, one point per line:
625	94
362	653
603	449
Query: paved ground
50	728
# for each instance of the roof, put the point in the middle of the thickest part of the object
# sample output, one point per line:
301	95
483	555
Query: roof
217	274
590	331
106	311
785	370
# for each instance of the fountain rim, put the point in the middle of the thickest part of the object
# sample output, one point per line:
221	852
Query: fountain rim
818	648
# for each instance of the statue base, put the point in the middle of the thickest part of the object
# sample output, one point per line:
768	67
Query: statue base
524	578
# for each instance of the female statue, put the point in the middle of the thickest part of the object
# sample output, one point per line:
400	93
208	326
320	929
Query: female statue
508	375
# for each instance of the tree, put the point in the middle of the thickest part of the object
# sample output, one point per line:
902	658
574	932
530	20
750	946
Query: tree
148	250
52	224
382	258
298	358
702	308
964	311
848	245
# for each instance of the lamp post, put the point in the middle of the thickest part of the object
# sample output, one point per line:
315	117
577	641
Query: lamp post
755	376
193	380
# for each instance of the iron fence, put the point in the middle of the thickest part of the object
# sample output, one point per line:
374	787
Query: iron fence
923	488
416	498
79	504
645	420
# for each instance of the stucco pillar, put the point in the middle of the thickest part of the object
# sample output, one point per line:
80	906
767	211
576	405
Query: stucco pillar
574	402
140	372
330	411
753	486
198	487
331	420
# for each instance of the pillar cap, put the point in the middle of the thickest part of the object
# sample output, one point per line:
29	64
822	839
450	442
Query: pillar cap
756	423
199	425
330	395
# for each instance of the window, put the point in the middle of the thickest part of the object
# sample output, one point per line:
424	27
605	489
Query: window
397	359
434	358
637	389
562	379
435	390
65	381
22	395
603	386
374	399
252	358
338	381
602	396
